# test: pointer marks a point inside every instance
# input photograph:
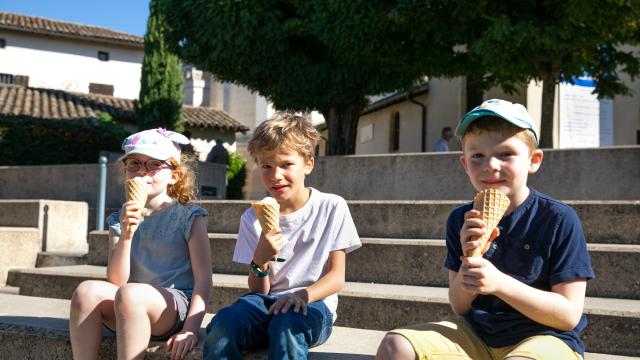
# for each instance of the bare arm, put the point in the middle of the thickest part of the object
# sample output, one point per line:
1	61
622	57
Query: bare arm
268	246
200	254
560	308
118	266
459	299
330	283
259	284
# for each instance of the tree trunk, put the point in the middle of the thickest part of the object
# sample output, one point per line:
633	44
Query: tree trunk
546	120
342	121
475	92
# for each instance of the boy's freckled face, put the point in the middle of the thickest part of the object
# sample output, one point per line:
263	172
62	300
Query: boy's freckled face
492	160
283	173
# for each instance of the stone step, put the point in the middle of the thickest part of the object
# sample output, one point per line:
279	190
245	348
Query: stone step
61	258
613	323
62	224
20	246
604	222
9	290
420	262
39	329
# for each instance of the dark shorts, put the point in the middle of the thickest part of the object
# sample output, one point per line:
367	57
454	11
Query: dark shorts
182	305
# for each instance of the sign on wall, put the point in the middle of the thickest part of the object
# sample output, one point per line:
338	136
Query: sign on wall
584	121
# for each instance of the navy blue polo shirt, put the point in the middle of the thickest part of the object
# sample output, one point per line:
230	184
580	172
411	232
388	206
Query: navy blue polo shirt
541	244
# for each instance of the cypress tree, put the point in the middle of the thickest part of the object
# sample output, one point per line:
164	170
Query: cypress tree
161	84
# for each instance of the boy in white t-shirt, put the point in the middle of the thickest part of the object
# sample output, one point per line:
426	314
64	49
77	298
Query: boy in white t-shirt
292	304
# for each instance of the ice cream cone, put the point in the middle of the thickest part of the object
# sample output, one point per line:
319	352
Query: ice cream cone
135	189
492	205
268	212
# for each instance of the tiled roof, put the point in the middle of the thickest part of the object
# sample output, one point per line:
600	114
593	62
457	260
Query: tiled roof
200	116
52	104
39	25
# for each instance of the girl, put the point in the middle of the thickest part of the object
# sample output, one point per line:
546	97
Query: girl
159	276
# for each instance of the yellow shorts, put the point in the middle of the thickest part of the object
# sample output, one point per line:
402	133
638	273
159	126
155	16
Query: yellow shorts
455	339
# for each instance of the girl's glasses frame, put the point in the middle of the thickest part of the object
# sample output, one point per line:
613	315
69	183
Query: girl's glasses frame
151	165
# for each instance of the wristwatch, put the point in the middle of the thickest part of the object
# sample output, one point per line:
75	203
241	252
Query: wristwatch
257	272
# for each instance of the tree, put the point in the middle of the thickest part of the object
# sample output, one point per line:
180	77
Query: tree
308	54
161	88
553	41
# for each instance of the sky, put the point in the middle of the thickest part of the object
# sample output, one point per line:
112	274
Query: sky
129	16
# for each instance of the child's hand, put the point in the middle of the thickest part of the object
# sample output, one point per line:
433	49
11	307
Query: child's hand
479	276
130	216
181	343
296	300
268	246
472	230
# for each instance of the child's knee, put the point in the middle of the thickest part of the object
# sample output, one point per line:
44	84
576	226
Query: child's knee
226	322
395	346
131	296
222	320
88	293
289	322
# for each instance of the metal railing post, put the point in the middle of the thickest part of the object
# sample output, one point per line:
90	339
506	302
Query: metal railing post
102	192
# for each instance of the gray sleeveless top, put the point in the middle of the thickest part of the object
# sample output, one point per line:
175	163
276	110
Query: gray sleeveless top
160	251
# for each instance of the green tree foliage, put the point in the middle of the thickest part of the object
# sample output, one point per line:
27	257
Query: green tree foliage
236	175
161	88
309	54
552	41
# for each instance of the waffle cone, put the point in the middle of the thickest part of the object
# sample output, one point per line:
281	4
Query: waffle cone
268	215
135	190
492	205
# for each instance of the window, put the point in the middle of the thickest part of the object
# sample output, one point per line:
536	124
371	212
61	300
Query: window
3	43
394	133
638	137
7	79
103	56
103	89
22	80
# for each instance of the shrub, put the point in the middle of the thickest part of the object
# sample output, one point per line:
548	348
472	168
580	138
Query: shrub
30	141
236	175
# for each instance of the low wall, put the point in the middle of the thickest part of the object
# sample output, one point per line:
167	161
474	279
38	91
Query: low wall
577	174
80	182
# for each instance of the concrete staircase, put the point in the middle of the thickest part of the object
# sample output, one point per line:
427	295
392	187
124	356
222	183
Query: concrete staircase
397	278
28	227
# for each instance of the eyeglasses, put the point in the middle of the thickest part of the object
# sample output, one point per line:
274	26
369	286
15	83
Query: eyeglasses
151	165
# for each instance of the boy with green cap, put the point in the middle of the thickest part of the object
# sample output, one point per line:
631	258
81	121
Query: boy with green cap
524	298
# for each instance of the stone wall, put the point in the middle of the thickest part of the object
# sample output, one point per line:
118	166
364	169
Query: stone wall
80	182
578	174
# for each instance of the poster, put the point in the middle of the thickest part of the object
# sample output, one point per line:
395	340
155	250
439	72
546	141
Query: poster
584	121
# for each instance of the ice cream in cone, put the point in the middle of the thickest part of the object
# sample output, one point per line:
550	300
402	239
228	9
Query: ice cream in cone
135	189
492	205
268	212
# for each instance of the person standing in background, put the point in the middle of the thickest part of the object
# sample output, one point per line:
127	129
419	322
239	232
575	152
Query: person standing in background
443	143
218	153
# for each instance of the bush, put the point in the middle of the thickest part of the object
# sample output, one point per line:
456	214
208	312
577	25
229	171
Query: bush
30	141
236	176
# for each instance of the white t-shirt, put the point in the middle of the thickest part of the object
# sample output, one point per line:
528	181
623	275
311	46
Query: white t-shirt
322	225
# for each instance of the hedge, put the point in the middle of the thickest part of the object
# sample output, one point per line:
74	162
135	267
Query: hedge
30	141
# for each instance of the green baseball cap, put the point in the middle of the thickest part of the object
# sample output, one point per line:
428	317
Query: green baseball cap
514	113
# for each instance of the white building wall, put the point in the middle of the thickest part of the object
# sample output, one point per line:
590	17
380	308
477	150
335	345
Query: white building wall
71	64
